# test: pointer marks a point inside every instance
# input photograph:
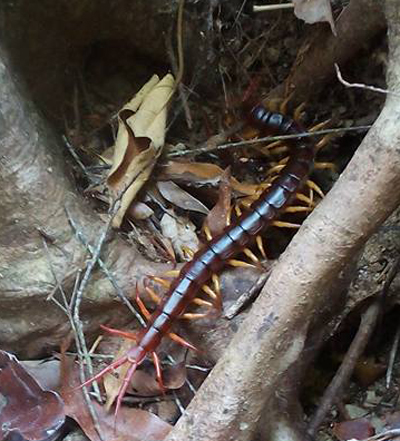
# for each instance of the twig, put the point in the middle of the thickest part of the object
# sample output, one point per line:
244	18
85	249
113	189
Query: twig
265	8
363	86
389	434
75	156
66	308
342	377
81	237
246	297
206	148
178	67
391	275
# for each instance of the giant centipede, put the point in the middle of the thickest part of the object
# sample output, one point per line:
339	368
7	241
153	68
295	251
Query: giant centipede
214	255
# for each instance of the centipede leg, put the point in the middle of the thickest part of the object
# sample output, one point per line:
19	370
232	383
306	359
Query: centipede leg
141	305
282	224
193	315
315	187
157	365
124	386
125	334
260	245
297	209
178	339
240	263
217	290
298	111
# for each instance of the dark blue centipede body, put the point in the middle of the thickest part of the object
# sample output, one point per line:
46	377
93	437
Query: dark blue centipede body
241	233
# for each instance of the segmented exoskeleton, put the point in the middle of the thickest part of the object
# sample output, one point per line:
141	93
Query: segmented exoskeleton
215	254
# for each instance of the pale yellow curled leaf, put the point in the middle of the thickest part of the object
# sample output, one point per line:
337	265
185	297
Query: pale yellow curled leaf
140	139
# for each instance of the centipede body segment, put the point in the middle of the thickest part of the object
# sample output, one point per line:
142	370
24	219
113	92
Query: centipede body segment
215	254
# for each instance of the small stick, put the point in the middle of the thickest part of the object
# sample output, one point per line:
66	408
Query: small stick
361	85
265	8
81	237
246	297
342	377
205	148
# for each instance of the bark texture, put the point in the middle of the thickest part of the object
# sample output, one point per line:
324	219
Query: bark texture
273	335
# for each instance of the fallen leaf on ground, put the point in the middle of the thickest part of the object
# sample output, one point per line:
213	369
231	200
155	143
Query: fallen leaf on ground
359	428
199	174
26	410
131	424
217	218
140	139
181	198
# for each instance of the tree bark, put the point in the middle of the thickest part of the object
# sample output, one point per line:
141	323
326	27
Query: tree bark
230	402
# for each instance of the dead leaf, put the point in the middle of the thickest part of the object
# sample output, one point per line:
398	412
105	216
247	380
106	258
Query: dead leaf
140	139
313	11
181	198
46	373
203	173
181	232
140	210
217	218
359	428
26	410
131	424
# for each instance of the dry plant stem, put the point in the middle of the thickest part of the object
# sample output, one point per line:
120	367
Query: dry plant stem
212	143
246	297
361	85
335	389
260	353
78	336
357	25
79	234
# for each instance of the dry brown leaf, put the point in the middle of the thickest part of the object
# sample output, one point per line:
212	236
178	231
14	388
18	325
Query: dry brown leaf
313	11
181	198
140	139
131	424
217	218
203	173
27	411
